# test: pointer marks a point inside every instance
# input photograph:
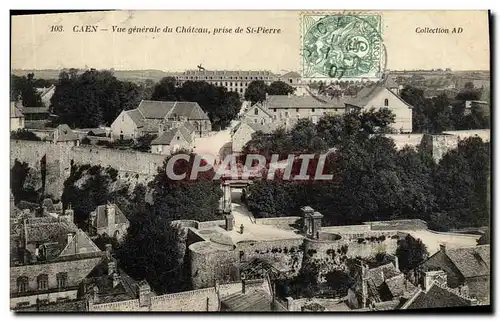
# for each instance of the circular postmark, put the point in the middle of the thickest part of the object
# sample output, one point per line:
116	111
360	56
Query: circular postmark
343	46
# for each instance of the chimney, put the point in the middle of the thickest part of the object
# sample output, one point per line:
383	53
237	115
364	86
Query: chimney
111	267
442	248
116	280
243	285
70	237
95	294
144	293
289	302
396	262
111	215
56	134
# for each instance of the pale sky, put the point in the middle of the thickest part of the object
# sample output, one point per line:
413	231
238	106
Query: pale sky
35	47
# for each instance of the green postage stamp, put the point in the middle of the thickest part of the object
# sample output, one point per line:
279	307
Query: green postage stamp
342	46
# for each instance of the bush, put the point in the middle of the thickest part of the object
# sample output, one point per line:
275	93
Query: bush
24	134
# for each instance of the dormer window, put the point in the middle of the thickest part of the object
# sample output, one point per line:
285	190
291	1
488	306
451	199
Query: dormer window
22	284
256	111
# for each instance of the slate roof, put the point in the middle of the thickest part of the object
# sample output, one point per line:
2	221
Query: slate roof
283	101
160	109
168	136
365	95
190	127
436	297
136	117
15	112
255	300
102	218
471	261
65	134
390	83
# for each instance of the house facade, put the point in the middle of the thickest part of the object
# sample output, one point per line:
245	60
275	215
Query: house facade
379	96
171	140
16	117
152	116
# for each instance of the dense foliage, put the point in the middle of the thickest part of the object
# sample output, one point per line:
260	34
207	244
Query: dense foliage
24	134
372	180
411	253
437	114
98	95
24	88
257	90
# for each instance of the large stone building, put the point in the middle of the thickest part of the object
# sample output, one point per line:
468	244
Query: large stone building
233	80
151	117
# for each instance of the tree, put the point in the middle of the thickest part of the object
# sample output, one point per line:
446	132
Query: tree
166	90
187	199
461	186
411	252
144	143
21	186
280	88
24	88
153	250
86	188
256	91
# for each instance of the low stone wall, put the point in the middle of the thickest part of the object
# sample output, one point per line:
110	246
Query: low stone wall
412	224
120	306
209	224
287	220
196	300
347	229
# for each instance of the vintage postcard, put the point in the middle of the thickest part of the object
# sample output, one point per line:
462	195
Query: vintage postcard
239	161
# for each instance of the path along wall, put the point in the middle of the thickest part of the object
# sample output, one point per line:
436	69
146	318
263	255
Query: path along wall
133	167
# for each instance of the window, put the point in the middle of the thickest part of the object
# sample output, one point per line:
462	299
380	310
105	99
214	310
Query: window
241	90
296	109
291	80
255	121
286	114
62	280
256	111
386	102
274	109
22	284
230	84
312	110
178	137
262	121
43	282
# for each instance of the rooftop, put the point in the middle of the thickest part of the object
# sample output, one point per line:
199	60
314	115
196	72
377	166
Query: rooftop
283	101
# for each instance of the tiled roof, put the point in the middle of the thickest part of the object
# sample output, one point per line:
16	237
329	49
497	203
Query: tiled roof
386	305
284	101
56	232
435	297
102	218
399	286
471	261
255	300
155	109
381	273
191	110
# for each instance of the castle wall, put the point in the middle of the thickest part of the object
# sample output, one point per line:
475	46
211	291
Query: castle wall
133	167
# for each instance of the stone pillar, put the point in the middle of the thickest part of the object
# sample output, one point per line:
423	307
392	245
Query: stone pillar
144	293
316	224
227	197
229	222
307	211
